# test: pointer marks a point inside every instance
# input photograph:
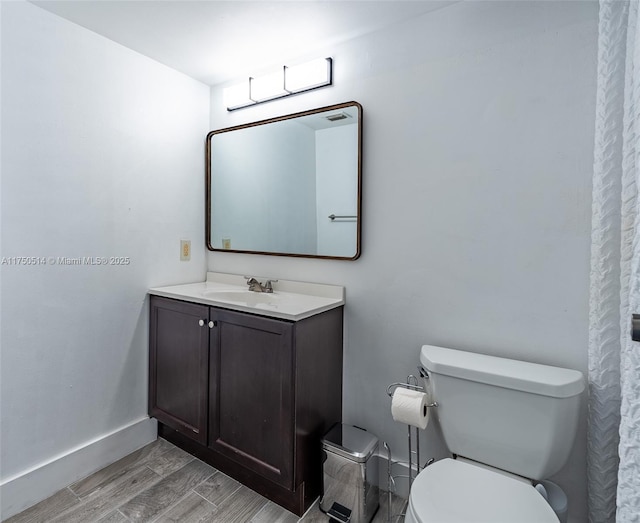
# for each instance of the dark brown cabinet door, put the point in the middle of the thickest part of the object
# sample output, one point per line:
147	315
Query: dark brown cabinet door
251	393
178	366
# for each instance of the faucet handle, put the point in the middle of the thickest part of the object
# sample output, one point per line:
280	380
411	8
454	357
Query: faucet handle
267	285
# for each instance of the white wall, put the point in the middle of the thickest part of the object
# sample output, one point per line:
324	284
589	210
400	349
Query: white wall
102	155
478	133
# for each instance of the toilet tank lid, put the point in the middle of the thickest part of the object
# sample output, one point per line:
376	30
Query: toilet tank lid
502	372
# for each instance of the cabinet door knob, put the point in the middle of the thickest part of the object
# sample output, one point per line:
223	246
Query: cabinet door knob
201	323
213	324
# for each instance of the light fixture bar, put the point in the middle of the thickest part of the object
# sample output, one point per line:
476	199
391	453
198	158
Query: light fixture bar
307	76
279	84
268	87
238	96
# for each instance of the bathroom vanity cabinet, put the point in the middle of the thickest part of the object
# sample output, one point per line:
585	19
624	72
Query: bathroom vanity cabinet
178	366
250	394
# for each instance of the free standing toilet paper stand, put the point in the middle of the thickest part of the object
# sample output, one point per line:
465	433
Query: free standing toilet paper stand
412	384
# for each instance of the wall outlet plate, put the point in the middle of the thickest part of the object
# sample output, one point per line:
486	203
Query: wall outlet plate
185	250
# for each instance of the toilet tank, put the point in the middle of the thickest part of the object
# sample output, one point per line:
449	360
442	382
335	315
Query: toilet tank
513	415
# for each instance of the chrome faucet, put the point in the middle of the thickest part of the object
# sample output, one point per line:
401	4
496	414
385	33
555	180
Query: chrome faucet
256	286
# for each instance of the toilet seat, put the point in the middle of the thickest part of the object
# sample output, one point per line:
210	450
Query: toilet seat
451	491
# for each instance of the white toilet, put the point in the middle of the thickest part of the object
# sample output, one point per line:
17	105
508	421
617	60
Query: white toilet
508	424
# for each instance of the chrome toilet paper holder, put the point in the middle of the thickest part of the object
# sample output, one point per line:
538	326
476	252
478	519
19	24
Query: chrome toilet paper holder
411	384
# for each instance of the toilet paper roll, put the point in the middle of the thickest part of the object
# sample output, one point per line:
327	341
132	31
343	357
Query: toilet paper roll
410	407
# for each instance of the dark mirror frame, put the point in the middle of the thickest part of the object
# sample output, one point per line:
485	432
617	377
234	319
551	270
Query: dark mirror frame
274	120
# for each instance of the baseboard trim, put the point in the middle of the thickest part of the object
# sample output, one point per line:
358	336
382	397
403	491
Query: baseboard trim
31	486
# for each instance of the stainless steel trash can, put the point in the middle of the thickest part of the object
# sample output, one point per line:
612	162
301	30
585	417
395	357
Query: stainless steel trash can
350	474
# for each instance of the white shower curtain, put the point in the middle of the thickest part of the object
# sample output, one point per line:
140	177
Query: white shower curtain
614	360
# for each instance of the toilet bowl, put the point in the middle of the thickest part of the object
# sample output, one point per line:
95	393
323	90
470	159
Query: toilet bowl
452	491
508	424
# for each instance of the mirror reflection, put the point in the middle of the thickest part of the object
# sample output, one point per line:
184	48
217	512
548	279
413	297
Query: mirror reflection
287	185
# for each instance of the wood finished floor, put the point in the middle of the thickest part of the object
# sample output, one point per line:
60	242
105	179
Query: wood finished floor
161	483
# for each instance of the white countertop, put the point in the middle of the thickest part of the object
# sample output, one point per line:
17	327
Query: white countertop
290	300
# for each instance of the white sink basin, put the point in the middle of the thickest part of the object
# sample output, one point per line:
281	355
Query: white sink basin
290	300
243	296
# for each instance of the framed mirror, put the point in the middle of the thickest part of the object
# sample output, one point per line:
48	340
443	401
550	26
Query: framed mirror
287	186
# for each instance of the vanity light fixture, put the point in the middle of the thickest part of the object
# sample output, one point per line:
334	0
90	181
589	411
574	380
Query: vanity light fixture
268	87
289	80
